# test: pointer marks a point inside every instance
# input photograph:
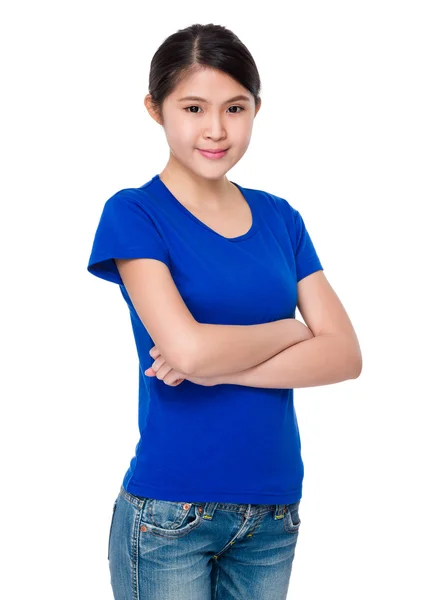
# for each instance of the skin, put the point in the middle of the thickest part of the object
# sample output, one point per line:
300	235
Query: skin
201	183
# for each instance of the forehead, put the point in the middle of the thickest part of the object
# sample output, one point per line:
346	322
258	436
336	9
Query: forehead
212	85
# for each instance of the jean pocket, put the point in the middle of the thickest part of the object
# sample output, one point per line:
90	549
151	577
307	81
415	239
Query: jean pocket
111	526
291	519
170	519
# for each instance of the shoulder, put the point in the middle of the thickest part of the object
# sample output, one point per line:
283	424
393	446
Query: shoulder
132	203
135	196
131	210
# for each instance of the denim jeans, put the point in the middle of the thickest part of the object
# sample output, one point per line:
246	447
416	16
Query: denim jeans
163	550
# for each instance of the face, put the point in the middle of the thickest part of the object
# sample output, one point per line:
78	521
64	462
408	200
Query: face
213	123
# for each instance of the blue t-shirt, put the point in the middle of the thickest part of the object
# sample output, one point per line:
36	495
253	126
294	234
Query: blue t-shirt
222	443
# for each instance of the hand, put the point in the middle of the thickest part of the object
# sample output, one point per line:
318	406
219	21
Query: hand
163	370
168	375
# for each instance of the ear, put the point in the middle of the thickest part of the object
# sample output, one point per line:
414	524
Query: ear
152	110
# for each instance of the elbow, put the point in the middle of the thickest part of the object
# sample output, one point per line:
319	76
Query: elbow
194	355
180	360
183	362
358	360
358	367
185	354
354	358
351	359
188	361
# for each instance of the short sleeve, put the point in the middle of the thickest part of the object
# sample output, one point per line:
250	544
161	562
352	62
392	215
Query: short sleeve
306	258
125	230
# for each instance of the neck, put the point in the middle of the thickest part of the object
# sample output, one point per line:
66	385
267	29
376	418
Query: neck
198	192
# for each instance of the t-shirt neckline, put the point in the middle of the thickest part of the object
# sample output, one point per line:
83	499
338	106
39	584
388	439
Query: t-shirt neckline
254	213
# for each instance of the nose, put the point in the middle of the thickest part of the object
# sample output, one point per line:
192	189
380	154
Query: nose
215	127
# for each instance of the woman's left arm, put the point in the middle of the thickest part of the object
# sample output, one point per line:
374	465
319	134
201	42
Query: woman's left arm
321	360
332	355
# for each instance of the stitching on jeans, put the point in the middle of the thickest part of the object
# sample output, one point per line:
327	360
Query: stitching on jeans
135	552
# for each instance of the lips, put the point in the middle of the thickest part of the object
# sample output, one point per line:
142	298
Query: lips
213	154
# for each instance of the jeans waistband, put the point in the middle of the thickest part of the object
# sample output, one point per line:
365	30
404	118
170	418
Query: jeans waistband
209	508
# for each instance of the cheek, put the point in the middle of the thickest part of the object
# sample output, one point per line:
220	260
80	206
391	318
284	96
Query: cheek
241	139
182	134
240	130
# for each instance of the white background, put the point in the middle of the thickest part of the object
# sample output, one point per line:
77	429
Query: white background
338	136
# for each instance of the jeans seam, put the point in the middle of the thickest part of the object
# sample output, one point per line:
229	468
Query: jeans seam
135	552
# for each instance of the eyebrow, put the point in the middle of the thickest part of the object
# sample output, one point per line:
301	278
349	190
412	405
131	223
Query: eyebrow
198	98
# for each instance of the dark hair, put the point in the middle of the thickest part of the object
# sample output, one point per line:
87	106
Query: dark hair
200	46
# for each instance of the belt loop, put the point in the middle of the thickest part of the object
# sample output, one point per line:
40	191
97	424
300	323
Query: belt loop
279	511
210	508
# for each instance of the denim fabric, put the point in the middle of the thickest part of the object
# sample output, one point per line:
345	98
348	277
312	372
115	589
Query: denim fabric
163	550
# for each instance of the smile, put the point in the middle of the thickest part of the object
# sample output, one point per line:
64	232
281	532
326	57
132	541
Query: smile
212	155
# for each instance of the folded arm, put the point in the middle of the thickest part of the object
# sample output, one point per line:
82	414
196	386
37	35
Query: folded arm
321	360
332	354
279	352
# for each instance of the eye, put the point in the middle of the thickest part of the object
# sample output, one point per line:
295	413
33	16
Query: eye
195	106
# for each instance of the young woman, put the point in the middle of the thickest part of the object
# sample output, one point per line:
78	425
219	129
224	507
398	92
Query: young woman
212	273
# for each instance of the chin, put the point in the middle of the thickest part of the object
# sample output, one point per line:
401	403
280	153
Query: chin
215	173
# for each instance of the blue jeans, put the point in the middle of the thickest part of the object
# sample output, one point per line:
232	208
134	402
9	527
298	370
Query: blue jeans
162	550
